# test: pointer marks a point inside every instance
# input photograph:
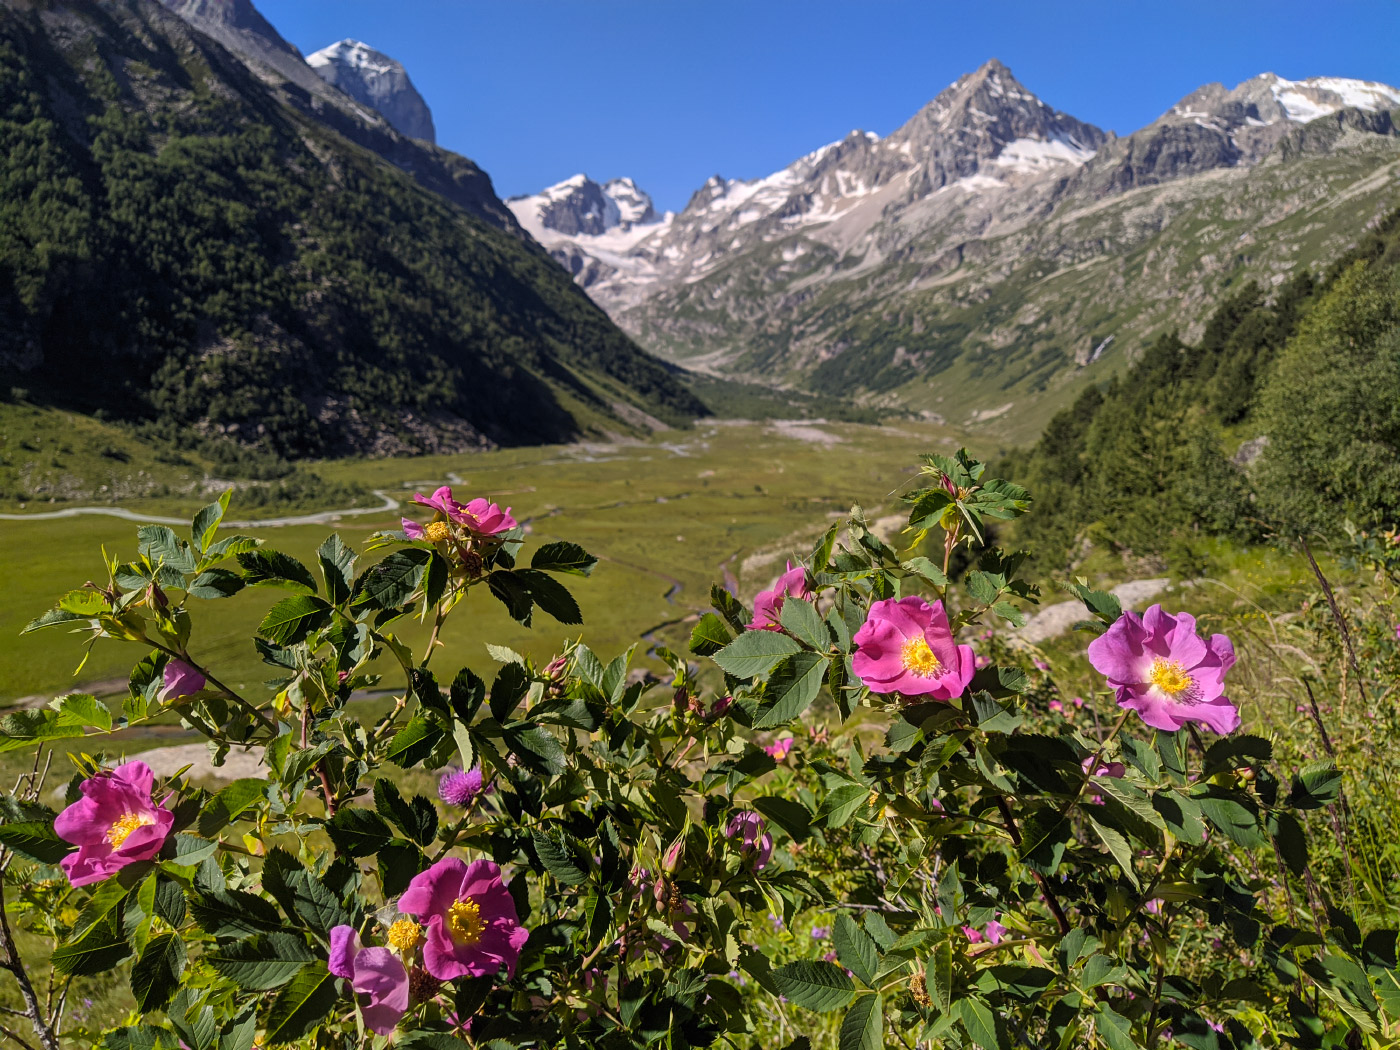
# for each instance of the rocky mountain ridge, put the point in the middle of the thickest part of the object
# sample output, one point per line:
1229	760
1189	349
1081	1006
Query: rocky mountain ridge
372	77
991	245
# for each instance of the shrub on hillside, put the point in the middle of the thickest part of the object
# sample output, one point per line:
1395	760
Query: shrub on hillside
617	860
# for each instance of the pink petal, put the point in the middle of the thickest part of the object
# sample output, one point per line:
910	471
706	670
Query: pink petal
1184	645
345	943
1219	714
441	501
1119	654
430	893
85	822
767	606
136	776
1156	710
793	583
1223	650
939	635
412	529
179	679
380	975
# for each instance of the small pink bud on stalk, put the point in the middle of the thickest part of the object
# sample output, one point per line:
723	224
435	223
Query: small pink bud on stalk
671	859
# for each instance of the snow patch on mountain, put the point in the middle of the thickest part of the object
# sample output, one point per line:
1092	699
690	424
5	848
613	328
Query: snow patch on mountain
374	79
1037	155
1304	100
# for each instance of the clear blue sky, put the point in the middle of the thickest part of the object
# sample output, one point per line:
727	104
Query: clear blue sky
673	91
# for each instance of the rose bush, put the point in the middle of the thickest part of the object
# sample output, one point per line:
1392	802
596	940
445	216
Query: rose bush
612	851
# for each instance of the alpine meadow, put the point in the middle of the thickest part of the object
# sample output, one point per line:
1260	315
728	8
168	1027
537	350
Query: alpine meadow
940	594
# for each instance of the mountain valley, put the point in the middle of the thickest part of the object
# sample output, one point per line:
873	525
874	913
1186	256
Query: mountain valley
993	255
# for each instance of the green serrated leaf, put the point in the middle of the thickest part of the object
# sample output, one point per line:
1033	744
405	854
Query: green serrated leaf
558	858
35	839
816	985
709	636
337	563
855	949
792	688
792	816
156	974
803	621
97	951
414	742
291	619
261	962
563	557
358	832
228	804
863	1027
981	1024
302	1004
389	584
755	653
206	522
265	567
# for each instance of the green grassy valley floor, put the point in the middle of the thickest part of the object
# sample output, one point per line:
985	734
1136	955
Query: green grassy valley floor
667	518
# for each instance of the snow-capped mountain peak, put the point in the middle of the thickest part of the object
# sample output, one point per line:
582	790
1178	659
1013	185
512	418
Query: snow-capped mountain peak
633	205
375	79
578	206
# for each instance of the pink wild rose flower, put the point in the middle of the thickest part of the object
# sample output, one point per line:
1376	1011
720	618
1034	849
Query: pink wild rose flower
179	679
907	647
768	605
1166	672
469	916
480	517
1104	769
778	749
375	972
114	824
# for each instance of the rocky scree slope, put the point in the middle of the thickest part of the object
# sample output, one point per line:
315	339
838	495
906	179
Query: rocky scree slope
993	255
179	245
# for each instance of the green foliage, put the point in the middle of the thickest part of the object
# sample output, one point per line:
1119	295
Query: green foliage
617	807
1311	373
1332	410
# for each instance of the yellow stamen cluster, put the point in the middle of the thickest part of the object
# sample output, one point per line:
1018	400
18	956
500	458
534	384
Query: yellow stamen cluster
437	531
1170	677
464	924
125	825
919	660
404	935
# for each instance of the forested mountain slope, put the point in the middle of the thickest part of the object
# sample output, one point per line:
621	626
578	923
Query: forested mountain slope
178	245
1299	385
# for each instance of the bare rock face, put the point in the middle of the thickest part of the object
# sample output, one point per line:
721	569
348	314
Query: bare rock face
591	228
372	77
1215	127
984	130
